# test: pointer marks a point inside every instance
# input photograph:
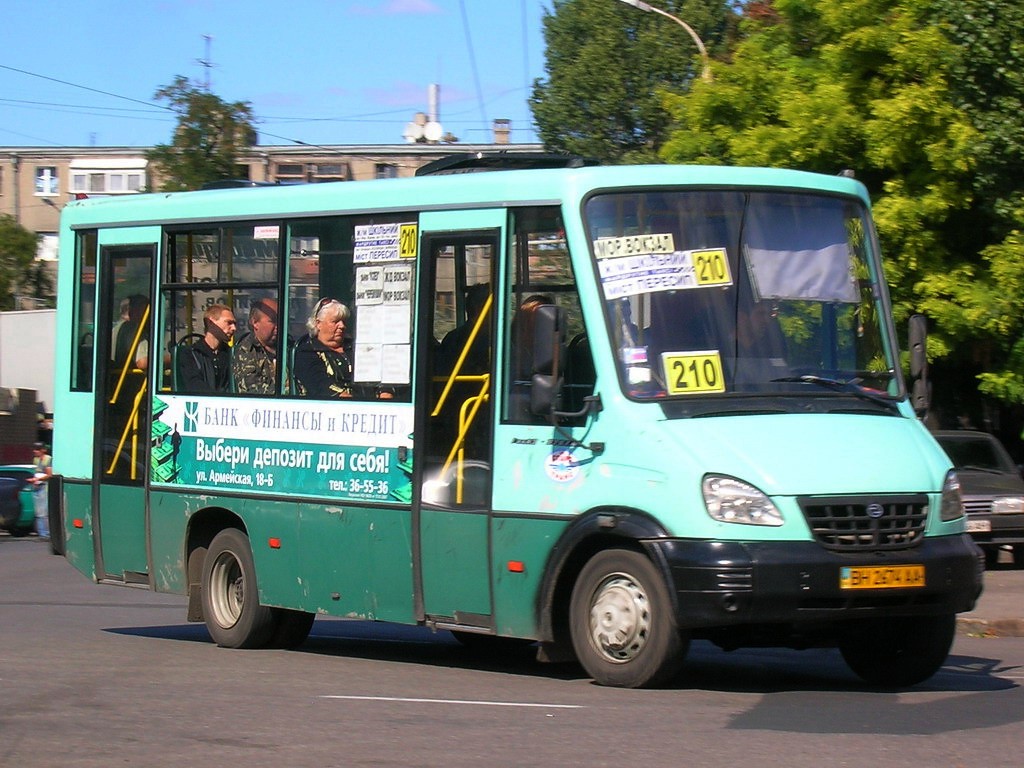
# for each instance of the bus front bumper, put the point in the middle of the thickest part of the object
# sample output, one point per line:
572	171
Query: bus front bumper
725	583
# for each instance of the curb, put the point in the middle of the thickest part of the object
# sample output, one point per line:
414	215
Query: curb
990	627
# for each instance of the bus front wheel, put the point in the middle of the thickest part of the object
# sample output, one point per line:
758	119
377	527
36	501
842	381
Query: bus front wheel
624	629
231	605
898	652
291	628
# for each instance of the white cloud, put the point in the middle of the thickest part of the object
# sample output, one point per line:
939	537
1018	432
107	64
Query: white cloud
395	8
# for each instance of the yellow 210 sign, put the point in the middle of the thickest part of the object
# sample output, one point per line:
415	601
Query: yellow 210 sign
689	373
711	266
407	241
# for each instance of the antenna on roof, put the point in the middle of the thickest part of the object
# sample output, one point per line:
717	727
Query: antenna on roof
206	63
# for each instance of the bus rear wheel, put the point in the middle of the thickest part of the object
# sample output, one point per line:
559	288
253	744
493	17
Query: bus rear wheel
623	626
898	652
231	605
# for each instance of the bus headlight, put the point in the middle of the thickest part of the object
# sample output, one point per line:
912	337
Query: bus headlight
952	505
729	500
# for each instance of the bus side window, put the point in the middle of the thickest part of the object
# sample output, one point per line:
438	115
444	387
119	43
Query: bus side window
542	275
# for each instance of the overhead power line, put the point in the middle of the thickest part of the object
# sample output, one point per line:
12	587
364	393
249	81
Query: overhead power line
84	87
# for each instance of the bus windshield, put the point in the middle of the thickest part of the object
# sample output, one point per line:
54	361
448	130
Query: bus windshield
710	292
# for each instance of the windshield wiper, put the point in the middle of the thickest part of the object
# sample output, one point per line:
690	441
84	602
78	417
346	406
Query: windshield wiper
850	387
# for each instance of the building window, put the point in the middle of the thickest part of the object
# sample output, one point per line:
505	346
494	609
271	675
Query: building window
330	172
291	173
386	171
106	182
46	181
311	173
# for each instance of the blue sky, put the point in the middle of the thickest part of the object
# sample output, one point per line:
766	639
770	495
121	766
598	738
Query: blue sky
76	73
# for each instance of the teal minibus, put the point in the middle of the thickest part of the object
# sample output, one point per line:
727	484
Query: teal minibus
602	411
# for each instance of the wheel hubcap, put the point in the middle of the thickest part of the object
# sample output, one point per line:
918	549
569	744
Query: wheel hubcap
620	618
227	588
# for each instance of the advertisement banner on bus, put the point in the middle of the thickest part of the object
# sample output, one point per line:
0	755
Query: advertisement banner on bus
345	450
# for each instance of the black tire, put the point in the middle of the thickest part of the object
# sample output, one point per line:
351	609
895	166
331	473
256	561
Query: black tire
898	652
623	626
291	628
991	557
20	532
231	603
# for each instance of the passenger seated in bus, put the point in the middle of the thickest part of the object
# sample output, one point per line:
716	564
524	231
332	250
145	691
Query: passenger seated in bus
121	320
522	334
323	359
254	357
760	344
206	365
134	314
478	357
322	362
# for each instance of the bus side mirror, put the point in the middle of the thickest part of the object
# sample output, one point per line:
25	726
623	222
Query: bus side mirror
918	342
548	347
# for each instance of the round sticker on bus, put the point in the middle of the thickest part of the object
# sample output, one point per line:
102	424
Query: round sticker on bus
693	373
561	466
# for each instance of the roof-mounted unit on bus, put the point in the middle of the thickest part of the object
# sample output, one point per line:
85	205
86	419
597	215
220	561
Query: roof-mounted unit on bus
502	161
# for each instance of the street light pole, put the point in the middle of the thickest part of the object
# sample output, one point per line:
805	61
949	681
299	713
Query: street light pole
646	8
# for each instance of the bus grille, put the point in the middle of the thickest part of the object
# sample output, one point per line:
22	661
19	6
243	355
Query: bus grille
854	524
977	506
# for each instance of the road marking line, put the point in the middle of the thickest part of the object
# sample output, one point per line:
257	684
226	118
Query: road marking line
456	701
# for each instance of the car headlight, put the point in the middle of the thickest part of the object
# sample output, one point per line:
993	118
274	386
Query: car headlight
1007	505
952	505
729	500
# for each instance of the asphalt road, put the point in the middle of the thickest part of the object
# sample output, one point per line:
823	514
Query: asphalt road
94	675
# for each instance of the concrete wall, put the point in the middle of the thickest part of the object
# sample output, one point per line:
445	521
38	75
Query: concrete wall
27	348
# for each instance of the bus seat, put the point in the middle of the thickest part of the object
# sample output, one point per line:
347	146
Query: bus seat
179	347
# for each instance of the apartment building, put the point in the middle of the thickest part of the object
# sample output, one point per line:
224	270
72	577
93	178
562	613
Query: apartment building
36	182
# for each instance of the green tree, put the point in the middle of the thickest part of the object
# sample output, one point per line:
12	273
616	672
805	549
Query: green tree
209	137
923	99
981	302
826	85
606	64
17	254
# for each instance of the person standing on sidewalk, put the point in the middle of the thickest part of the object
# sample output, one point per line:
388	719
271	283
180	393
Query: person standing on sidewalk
44	471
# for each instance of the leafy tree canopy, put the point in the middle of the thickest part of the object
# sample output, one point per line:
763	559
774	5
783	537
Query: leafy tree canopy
209	137
606	63
924	99
17	254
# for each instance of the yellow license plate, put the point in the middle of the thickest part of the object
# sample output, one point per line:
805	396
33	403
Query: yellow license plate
881	577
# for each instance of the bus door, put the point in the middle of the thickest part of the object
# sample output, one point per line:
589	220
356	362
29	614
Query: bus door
454	441
123	408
